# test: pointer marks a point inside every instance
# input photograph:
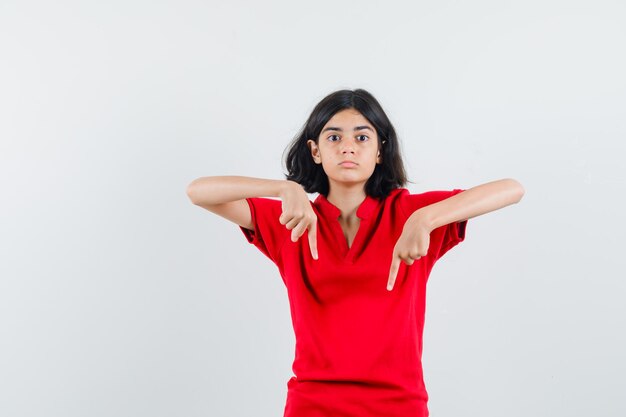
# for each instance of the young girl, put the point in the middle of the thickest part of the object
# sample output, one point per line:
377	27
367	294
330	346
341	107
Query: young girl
357	282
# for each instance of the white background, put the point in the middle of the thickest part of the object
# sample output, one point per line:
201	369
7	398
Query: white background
118	297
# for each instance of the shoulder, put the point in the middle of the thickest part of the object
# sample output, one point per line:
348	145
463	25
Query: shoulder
396	195
396	199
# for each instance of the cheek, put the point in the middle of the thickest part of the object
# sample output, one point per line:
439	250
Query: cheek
327	166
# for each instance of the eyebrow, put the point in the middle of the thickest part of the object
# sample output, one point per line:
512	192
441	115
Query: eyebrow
338	129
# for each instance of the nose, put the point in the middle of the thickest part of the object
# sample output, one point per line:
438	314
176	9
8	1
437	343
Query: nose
347	146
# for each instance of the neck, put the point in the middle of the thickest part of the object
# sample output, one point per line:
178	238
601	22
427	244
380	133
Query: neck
347	200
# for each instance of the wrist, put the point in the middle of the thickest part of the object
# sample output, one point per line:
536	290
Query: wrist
421	219
286	185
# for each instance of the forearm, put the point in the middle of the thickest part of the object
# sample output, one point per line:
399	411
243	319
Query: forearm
472	202
221	189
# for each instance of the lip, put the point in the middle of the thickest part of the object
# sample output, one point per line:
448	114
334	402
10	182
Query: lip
348	164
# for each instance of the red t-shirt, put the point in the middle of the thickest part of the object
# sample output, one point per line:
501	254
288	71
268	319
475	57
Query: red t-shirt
358	345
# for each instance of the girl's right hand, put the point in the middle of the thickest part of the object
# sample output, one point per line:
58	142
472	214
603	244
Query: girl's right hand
298	215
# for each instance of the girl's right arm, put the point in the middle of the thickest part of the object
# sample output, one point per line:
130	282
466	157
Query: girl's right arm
226	197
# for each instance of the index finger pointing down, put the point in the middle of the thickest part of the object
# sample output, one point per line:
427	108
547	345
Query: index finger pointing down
312	232
393	272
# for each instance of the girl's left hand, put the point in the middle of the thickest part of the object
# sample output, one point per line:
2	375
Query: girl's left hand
411	245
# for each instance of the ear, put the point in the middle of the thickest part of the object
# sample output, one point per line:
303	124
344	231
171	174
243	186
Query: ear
315	151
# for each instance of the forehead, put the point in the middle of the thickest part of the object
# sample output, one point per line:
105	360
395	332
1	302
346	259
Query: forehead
348	118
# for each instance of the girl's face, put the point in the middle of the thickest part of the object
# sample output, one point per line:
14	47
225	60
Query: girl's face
347	136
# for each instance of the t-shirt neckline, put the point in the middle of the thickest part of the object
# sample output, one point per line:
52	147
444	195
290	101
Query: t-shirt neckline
364	211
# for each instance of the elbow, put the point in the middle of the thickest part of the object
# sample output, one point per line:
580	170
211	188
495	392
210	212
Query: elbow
518	190
191	192
204	191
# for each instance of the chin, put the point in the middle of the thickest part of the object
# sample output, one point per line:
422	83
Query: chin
350	181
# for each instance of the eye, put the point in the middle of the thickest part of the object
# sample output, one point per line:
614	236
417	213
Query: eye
330	138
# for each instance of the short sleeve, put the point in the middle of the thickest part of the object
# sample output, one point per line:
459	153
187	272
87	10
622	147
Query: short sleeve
445	237
268	234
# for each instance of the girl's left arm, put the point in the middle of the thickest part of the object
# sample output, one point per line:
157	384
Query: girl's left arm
470	203
414	240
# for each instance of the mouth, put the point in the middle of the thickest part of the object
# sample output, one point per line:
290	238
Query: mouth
348	163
